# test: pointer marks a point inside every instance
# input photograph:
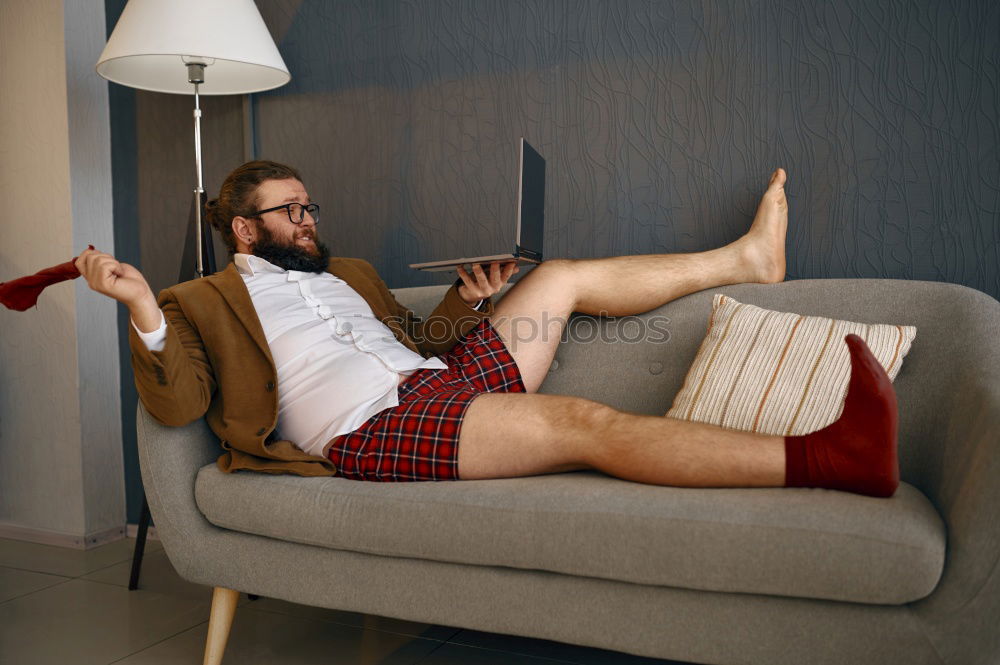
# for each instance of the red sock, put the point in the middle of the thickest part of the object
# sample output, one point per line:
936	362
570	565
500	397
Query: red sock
857	452
21	294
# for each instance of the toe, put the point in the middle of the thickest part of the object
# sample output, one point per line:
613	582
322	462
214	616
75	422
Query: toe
777	178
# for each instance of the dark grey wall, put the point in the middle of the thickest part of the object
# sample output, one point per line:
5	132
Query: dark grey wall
660	121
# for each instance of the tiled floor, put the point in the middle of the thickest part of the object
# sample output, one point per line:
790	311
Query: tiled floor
62	606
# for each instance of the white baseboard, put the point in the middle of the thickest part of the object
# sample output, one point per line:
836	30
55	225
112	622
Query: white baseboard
46	537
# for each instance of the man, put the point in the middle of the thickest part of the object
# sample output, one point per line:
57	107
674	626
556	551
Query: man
287	345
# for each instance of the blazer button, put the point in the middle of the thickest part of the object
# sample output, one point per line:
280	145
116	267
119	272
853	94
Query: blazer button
270	386
261	431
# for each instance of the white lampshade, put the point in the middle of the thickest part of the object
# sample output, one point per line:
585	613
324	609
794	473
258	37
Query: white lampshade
154	40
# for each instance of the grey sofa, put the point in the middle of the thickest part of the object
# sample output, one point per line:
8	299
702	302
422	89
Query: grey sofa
769	576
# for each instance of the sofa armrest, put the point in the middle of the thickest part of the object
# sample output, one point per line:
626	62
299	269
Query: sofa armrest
169	458
961	616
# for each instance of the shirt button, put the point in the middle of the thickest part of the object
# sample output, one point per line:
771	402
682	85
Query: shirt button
270	386
261	431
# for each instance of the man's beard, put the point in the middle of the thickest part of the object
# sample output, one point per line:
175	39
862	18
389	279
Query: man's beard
288	255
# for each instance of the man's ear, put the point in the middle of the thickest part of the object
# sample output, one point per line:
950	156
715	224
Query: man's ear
244	230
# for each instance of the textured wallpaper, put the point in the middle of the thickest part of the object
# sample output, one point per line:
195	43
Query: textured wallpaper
660	122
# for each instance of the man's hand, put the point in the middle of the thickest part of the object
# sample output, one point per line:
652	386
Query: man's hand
120	281
478	286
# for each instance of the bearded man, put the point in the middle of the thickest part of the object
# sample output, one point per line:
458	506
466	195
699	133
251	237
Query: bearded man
303	363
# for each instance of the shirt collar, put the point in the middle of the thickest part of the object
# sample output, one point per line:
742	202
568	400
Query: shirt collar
248	264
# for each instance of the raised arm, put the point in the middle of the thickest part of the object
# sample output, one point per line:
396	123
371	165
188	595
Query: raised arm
106	275
173	376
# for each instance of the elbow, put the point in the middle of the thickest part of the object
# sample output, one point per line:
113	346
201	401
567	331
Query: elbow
171	415
174	420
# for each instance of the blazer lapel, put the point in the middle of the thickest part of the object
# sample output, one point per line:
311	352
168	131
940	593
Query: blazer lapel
231	286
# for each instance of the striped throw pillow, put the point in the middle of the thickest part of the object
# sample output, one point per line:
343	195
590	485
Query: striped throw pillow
776	372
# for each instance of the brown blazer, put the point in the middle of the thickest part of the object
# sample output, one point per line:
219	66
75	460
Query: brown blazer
216	362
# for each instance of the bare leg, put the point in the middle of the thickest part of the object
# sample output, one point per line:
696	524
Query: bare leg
552	433
531	317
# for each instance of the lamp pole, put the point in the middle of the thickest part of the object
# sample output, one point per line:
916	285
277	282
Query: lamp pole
196	75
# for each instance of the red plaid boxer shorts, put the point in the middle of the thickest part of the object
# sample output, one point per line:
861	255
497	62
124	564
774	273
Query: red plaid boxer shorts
418	439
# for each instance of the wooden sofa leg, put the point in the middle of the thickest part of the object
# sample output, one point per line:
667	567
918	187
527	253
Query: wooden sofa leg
219	622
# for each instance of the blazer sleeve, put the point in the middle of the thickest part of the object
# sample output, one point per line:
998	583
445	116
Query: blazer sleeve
448	323
176	384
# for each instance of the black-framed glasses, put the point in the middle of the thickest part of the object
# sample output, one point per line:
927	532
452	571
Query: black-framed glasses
296	212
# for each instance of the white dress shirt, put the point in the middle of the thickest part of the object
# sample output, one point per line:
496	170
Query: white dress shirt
337	364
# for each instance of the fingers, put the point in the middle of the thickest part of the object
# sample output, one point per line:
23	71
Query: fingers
508	271
477	284
466	279
99	266
501	275
101	270
81	261
494	279
480	284
87	260
108	276
482	281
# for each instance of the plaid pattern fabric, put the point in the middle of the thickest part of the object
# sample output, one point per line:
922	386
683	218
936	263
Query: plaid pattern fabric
418	439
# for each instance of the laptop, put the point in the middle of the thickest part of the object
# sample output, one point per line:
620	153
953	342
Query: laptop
530	227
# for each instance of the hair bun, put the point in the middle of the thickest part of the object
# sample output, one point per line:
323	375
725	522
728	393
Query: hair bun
213	213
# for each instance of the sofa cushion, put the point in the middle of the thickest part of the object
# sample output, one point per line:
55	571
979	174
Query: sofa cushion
778	373
811	543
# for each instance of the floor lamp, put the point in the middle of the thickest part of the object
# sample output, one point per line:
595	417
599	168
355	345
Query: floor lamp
190	47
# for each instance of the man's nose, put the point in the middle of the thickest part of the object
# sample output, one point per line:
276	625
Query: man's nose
307	219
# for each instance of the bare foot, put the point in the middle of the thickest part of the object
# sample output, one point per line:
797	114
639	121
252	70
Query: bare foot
762	249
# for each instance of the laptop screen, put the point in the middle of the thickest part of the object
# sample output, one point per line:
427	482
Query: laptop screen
531	220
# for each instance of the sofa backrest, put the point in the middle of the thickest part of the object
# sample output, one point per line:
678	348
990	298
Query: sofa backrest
619	362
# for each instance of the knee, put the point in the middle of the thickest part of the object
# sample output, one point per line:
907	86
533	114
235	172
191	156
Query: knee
586	426
556	278
556	271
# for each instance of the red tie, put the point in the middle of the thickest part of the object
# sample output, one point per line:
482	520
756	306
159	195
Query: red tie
20	294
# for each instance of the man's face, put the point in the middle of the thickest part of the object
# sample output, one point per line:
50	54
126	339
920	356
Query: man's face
279	241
